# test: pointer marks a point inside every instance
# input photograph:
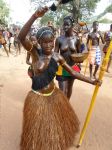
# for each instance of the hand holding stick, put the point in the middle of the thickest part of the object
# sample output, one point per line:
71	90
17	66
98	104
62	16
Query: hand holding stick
41	11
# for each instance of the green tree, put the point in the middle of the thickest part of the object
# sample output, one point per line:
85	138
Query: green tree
80	9
55	17
4	12
105	20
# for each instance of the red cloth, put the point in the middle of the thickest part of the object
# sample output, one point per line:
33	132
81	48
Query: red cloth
76	68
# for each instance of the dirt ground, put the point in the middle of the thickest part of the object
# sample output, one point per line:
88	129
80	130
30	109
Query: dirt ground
14	85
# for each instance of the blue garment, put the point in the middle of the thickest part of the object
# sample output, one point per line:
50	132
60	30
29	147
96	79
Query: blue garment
82	48
98	56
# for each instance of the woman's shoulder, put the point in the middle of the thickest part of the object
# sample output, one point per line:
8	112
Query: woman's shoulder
61	37
56	56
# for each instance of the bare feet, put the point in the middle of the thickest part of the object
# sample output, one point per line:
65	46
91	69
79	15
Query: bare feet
94	76
108	71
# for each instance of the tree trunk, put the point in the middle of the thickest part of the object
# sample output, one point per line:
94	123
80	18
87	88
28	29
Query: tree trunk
76	10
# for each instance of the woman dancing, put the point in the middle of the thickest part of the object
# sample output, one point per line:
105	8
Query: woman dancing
49	122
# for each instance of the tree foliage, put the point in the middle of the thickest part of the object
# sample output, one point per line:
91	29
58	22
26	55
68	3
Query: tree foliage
105	20
4	12
80	9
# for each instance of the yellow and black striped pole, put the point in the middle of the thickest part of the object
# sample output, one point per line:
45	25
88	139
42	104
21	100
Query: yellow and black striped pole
101	74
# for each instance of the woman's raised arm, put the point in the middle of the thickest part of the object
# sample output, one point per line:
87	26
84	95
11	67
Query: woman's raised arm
24	31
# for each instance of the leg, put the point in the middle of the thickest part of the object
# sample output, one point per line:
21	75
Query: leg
65	87
60	84
19	47
6	50
9	47
97	61
95	71
69	88
90	69
15	46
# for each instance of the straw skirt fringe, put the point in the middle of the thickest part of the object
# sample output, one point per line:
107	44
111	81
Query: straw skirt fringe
49	123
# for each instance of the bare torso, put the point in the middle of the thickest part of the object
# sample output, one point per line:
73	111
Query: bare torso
67	43
67	46
95	37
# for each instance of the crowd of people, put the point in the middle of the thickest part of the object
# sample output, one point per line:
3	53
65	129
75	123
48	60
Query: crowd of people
9	40
49	121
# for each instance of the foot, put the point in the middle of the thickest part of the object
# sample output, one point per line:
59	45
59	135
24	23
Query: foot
108	71
94	76
91	76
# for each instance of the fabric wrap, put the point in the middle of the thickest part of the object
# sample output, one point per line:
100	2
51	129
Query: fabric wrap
42	80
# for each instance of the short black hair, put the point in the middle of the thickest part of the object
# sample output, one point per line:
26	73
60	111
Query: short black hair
70	18
43	30
95	22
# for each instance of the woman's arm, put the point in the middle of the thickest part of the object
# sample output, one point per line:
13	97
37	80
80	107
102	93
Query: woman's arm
76	74
24	31
28	58
105	35
56	48
78	45
101	36
89	42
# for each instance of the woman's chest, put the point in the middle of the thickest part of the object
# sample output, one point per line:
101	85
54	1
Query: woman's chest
68	43
41	64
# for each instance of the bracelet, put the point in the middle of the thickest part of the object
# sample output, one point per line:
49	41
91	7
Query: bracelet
31	48
63	63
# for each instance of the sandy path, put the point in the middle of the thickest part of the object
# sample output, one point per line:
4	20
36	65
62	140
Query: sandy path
14	85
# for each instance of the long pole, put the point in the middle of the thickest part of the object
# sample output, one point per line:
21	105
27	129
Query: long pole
101	74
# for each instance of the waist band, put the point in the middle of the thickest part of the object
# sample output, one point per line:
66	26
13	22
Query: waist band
44	94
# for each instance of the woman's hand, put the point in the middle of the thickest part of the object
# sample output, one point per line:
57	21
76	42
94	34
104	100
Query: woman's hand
97	82
41	11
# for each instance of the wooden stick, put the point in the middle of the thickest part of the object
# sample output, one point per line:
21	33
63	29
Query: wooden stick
101	74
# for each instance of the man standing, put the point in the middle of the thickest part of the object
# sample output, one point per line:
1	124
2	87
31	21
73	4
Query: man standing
93	48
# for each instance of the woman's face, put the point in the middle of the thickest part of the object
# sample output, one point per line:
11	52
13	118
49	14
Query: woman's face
95	25
67	25
33	39
47	43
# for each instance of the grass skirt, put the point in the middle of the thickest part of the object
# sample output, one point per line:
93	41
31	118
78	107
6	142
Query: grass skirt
49	123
